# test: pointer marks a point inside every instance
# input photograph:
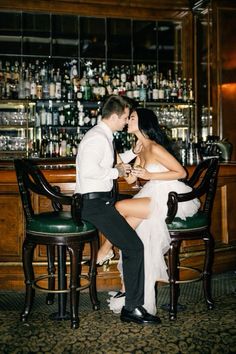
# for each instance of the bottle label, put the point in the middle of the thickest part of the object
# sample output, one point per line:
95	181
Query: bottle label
155	94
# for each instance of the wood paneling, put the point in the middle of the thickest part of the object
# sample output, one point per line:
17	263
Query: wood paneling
11	227
224	69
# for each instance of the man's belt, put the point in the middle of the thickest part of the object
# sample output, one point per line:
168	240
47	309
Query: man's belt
97	195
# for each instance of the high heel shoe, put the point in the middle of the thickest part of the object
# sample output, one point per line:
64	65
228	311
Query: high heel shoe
119	294
106	258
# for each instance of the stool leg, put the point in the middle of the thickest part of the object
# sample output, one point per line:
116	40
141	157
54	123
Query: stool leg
75	272
173	277
207	270
51	272
93	273
27	257
62	297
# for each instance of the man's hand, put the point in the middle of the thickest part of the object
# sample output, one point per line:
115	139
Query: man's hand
124	169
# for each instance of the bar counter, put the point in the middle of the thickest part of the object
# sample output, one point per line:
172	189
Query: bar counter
62	174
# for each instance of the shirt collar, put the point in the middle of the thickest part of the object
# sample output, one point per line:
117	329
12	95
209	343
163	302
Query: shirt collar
107	130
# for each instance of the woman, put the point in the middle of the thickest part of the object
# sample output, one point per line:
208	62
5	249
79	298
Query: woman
147	210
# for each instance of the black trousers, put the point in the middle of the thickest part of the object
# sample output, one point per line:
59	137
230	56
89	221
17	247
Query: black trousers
104	216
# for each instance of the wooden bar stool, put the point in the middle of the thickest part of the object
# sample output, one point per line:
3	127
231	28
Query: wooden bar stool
204	182
61	231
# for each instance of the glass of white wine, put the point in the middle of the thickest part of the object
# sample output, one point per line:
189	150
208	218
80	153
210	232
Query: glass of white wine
137	184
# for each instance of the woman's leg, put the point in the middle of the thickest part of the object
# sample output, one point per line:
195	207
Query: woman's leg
134	211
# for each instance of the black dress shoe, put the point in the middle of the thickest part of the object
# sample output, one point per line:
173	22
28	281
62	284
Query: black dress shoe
119	294
139	315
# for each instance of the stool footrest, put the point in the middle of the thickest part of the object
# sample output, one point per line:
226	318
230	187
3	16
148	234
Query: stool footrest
58	291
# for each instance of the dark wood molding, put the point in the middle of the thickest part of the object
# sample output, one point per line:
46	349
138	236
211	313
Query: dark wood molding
149	9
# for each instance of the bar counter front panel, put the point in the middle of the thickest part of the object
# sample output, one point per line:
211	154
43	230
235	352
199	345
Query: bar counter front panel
12	227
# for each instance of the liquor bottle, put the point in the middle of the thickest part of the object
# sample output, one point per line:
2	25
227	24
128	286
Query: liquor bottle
16	74
180	90
55	116
62	144
33	88
55	141
190	90
161	91
105	75
80	114
73	70
44	145
74	147
50	143
27	84
174	91
143	75
167	83
87	91
155	91
136	91
39	88
143	93
102	88
87	119
45	81
150	91
68	145
93	117
58	85
73	115
185	91
21	87
52	85
43	115
37	120
14	81
61	116
67	113
49	114
65	82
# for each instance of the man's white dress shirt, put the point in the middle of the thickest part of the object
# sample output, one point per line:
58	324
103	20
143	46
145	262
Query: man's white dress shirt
94	161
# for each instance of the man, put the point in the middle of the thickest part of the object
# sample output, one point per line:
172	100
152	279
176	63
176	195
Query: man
95	175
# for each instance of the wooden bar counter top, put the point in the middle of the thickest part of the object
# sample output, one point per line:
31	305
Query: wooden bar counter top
63	175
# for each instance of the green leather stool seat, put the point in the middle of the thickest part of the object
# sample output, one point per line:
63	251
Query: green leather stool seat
57	222
197	221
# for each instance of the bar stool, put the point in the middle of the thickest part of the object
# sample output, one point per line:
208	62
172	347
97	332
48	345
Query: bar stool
193	228
59	230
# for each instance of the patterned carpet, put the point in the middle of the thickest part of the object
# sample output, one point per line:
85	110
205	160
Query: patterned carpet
196	330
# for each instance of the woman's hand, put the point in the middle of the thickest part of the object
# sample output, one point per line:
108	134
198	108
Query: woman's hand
140	172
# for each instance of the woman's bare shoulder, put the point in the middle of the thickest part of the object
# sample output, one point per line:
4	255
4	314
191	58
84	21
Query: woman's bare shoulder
157	148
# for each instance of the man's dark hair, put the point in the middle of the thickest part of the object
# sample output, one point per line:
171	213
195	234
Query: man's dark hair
114	104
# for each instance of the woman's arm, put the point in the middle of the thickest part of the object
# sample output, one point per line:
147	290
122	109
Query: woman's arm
175	170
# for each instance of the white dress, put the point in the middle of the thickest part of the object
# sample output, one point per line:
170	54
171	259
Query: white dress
155	236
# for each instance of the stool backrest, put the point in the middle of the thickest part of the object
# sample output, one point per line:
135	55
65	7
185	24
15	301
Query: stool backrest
31	179
204	182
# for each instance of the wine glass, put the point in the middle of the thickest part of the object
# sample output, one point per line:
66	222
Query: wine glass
137	184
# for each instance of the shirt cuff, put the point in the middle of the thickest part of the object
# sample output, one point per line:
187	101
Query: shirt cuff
128	156
114	173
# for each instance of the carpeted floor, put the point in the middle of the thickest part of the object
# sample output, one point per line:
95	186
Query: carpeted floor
196	330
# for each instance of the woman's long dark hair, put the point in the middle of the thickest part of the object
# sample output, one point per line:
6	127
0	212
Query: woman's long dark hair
149	127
